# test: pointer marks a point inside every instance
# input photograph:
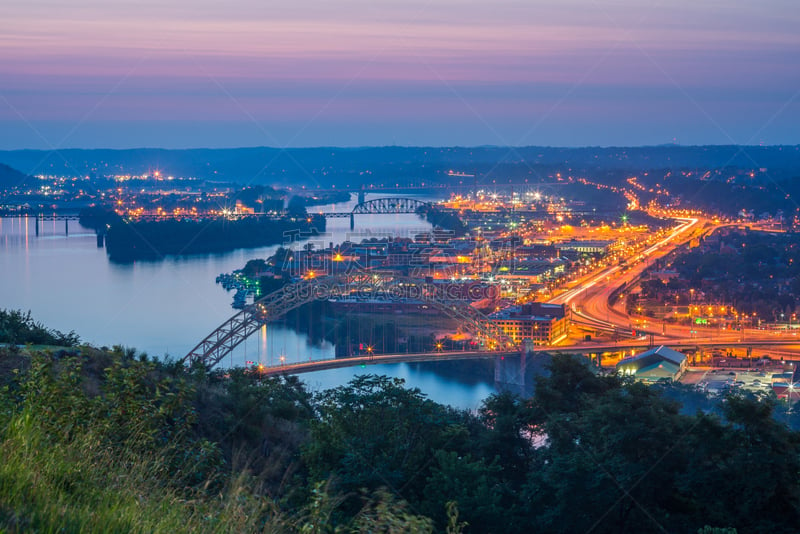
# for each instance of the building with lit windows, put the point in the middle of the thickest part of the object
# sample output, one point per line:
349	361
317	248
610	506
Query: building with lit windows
588	247
544	324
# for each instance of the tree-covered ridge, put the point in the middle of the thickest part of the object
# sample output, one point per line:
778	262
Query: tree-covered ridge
351	167
11	178
108	440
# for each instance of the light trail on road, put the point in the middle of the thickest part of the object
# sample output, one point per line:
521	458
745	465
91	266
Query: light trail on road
590	300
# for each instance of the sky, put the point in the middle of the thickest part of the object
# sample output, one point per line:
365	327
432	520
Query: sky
205	73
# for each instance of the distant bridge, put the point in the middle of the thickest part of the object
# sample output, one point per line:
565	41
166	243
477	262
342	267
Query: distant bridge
380	206
66	217
389	205
40	216
219	343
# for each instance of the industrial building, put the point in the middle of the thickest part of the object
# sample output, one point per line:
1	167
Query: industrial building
542	323
656	364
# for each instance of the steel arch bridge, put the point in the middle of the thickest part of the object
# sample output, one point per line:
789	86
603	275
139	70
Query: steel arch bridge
219	343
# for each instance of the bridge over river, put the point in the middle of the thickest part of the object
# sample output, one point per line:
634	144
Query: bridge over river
42	217
222	340
380	206
784	348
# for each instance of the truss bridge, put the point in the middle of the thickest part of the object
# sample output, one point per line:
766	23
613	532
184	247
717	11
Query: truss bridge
381	206
220	342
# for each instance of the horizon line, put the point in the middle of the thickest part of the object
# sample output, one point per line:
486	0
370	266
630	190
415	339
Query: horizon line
368	147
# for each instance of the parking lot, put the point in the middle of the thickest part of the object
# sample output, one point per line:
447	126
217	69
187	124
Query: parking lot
719	380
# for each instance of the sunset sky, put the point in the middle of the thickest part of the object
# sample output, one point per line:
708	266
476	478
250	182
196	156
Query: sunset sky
125	73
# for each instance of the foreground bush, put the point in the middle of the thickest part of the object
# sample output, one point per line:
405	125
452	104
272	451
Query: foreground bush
93	441
107	441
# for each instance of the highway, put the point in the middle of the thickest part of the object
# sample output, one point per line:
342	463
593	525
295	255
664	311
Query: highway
592	310
589	299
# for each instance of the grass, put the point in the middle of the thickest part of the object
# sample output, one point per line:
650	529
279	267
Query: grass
74	462
99	442
80	486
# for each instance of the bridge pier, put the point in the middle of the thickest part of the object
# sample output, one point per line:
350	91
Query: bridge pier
37	226
352	221
514	372
66	227
510	370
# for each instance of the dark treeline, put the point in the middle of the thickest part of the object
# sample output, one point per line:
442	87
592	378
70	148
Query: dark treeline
353	167
111	441
297	204
262	198
128	241
319	199
444	219
728	193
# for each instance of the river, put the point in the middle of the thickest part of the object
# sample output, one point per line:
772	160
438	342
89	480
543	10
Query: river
166	307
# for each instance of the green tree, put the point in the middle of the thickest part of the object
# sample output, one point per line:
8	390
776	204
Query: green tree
611	466
296	207
482	499
254	268
508	419
373	433
259	424
745	467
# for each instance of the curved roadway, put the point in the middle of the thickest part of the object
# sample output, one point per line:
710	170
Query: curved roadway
591	308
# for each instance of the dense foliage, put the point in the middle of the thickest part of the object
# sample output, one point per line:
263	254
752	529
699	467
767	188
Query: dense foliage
104	440
17	327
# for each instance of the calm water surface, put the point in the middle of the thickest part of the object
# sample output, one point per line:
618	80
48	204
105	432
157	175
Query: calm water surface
167	307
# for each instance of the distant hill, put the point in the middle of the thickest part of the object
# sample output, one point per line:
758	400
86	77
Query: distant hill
10	177
389	165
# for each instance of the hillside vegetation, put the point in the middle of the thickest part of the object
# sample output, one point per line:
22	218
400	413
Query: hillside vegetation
109	440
